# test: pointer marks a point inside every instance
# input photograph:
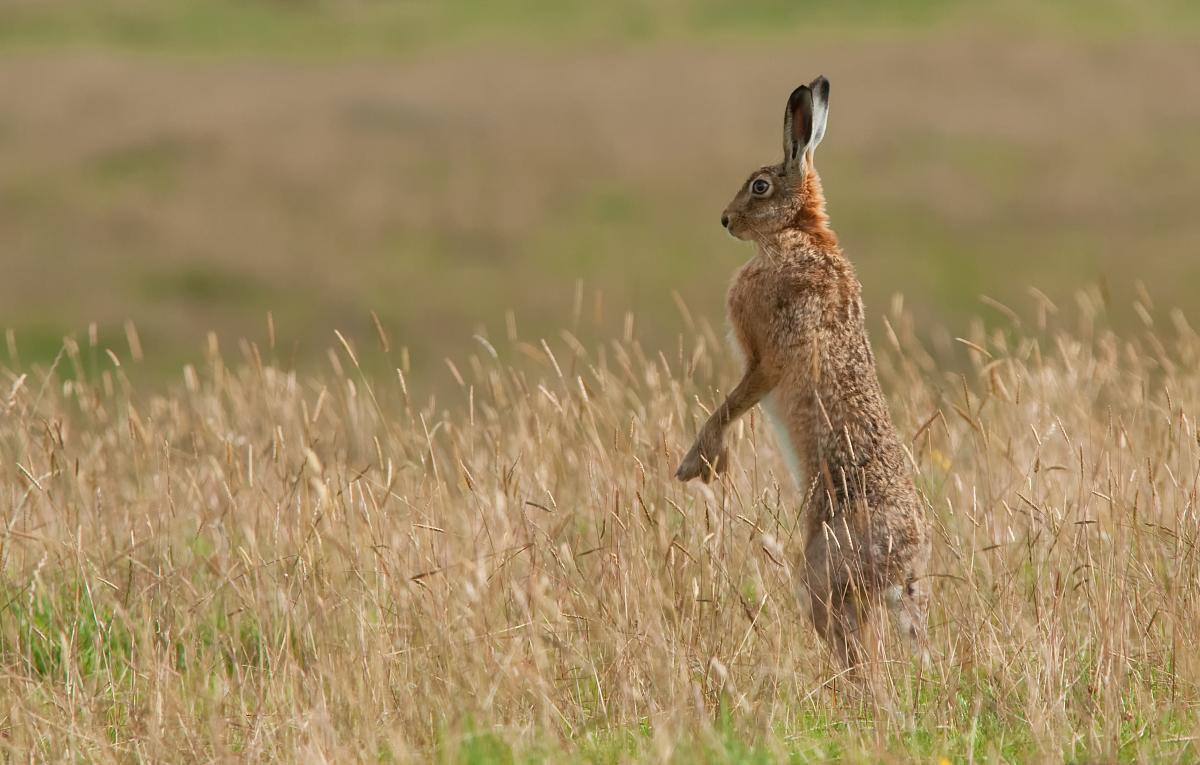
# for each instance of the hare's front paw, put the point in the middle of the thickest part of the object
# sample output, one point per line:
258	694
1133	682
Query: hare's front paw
706	458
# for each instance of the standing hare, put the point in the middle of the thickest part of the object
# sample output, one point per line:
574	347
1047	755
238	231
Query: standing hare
797	316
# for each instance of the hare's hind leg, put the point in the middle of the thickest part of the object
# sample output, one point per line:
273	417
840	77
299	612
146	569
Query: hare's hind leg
837	621
908	608
835	611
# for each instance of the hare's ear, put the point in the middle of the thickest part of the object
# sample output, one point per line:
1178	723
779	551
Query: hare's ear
797	125
804	120
820	91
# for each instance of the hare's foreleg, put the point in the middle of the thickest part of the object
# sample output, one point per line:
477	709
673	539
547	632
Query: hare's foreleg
708	454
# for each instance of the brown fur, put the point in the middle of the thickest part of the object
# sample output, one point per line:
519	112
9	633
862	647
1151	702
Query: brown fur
797	316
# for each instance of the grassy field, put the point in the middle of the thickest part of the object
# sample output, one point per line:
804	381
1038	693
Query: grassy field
347	349
274	566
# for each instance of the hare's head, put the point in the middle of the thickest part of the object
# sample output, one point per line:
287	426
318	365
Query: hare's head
776	197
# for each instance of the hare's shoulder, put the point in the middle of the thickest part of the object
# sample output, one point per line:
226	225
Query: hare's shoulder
765	291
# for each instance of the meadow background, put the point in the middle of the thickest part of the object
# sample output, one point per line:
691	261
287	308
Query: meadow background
192	165
349	347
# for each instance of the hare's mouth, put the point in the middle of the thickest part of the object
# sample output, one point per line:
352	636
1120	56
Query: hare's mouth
737	229
732	225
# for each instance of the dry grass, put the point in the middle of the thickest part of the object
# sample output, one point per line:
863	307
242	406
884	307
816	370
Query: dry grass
268	567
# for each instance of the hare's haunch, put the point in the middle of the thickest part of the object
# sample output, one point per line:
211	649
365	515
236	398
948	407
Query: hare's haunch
797	315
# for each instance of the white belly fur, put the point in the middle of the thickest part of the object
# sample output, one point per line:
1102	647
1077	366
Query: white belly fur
770	406
783	437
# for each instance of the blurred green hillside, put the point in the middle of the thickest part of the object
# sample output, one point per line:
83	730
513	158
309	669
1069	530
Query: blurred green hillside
370	26
191	166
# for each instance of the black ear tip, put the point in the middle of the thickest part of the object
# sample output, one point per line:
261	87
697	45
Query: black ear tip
801	93
820	86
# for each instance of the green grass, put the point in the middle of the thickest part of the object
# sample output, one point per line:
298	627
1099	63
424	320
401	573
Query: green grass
326	27
63	635
58	633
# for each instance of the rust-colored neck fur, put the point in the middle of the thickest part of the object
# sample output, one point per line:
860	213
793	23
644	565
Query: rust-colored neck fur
812	218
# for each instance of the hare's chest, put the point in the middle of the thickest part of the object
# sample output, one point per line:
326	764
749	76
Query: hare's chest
750	304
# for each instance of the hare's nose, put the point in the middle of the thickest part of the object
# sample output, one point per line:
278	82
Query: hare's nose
725	221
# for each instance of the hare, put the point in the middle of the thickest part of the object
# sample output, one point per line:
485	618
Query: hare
797	316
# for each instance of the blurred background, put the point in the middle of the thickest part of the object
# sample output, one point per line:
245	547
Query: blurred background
193	165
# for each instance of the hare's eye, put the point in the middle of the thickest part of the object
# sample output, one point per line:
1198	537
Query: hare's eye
760	186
